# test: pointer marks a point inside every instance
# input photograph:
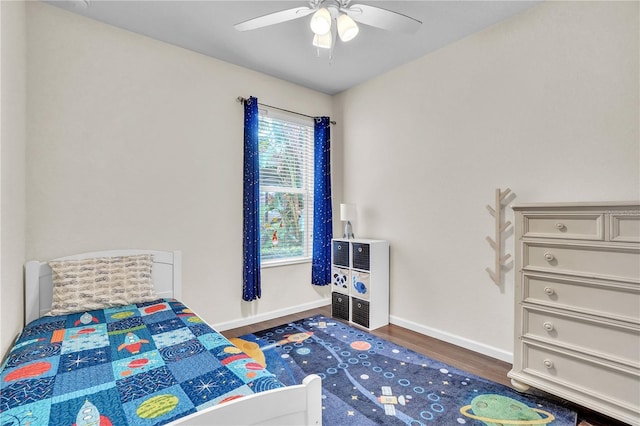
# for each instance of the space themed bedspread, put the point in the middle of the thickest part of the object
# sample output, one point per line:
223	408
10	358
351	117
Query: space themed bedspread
148	363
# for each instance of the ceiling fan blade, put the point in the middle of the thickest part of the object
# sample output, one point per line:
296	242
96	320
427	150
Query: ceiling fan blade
273	18
383	18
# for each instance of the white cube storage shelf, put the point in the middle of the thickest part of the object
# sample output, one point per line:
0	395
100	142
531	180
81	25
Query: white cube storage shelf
360	281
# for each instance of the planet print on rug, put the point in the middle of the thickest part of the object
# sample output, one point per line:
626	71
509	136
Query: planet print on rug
367	380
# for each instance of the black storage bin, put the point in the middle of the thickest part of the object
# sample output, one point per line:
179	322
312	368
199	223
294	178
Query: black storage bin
340	306
360	256
360	312
341	253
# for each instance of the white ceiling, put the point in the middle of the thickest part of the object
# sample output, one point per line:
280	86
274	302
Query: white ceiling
284	50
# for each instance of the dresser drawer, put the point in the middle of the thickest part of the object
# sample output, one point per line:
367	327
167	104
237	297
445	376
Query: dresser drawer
624	227
584	376
603	340
619	302
619	263
567	226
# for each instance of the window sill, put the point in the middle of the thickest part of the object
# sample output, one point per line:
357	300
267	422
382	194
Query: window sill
287	262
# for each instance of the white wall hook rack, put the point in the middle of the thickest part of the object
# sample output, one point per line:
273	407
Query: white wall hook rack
496	244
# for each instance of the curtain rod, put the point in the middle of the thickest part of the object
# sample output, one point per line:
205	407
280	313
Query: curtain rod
242	99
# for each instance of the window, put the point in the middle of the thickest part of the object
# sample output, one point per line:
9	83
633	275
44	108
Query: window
286	186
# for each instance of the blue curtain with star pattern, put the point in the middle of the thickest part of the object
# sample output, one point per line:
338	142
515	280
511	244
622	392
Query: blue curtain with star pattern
251	199
322	210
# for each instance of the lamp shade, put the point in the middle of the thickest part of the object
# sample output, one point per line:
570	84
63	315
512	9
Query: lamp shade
347	211
347	28
322	41
321	21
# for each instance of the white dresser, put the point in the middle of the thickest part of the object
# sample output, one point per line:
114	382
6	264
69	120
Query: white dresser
577	308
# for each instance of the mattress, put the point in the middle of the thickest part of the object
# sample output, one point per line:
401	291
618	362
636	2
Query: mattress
142	364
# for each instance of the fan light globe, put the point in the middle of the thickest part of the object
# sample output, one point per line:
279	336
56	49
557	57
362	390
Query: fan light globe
321	21
322	41
347	28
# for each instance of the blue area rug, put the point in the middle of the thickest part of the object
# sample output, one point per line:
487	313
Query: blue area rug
370	381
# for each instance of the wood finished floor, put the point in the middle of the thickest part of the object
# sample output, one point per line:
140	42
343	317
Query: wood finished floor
456	356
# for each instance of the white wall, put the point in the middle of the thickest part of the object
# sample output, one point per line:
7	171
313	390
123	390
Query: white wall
136	143
12	167
545	103
133	142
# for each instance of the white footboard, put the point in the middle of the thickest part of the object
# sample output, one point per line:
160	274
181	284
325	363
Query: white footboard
288	406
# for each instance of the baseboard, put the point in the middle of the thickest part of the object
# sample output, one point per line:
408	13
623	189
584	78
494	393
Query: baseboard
453	339
271	315
419	328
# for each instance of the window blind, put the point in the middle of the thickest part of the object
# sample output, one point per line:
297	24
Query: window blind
285	144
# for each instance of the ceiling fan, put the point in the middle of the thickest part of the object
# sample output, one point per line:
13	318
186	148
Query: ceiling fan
343	14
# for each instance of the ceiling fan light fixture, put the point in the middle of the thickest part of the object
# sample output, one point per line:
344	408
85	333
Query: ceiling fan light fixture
347	28
321	21
322	41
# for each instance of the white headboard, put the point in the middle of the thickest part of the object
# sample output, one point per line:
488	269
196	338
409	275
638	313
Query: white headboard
166	277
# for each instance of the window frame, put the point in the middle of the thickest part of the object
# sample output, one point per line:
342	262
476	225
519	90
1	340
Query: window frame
307	189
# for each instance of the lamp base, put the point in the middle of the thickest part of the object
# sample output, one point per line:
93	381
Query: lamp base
348	232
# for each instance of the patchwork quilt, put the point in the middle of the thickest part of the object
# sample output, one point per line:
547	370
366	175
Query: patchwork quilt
142	364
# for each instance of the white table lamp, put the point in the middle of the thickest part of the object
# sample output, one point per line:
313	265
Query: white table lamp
347	212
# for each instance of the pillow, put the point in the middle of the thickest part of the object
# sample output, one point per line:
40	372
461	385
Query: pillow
102	282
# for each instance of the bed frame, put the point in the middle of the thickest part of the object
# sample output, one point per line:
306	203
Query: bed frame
291	405
166	277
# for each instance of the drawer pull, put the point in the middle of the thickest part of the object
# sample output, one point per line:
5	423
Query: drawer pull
549	257
549	291
548	326
548	363
560	226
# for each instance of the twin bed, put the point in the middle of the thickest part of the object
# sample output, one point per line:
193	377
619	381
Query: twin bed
152	362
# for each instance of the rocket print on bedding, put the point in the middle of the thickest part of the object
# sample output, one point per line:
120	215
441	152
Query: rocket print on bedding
142	364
